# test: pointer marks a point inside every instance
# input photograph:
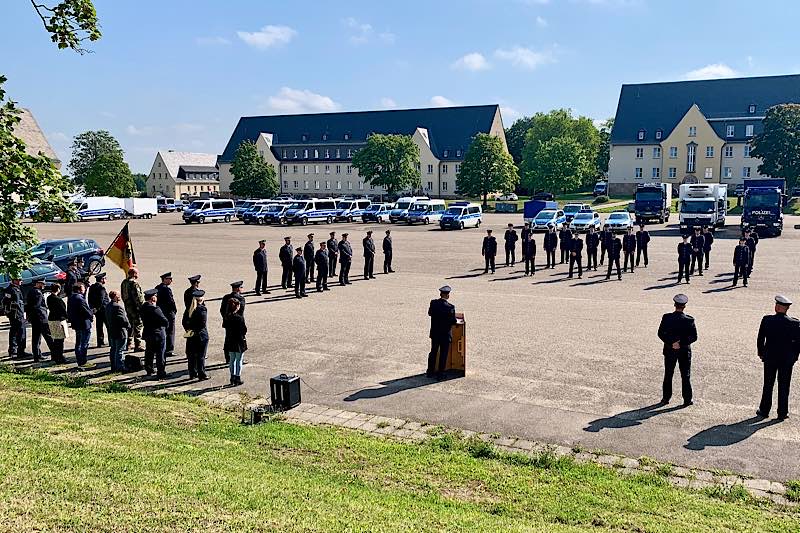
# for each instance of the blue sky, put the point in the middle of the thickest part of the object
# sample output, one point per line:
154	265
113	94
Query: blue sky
179	73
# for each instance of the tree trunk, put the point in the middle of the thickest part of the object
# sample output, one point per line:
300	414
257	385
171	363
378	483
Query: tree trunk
485	200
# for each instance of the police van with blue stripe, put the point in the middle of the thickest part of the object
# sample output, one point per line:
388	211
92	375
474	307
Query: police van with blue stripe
312	210
99	208
460	215
350	210
211	209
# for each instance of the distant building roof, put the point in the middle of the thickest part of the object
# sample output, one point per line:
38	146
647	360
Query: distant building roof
660	106
29	131
174	160
185	174
449	128
190	168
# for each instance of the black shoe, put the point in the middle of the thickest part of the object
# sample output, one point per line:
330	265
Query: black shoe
162	375
372	277
429	373
783	417
148	371
663	401
391	271
762	415
688	403
304	295
258	293
202	377
192	376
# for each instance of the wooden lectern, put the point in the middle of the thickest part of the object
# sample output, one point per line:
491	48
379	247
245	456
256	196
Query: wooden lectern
457	356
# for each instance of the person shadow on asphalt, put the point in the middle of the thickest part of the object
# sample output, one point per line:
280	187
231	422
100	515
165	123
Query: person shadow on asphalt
631	418
727	434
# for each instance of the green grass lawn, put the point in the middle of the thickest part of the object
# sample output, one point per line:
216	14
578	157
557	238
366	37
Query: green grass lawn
84	458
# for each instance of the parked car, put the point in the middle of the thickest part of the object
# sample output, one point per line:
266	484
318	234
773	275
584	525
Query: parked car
583	220
62	251
619	221
545	217
460	215
600	189
739	190
570	210
795	191
44	270
377	213
546	196
507	197
426	211
256	214
166	205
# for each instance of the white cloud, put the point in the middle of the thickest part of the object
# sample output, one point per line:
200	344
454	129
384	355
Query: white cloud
509	114
268	36
441	101
541	22
473	62
525	58
388	103
712	71
363	32
212	41
293	101
139	131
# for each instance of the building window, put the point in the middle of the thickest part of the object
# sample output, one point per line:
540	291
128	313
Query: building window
640	136
730	131
316	169
327	169
458	168
729	151
285	185
305	184
444	168
746	150
458	152
305	169
261	154
656	172
285	169
295	154
673	172
659	134
709	151
444	185
338	169
371	187
324	136
338	153
446	153
430	169
349	185
639	153
349	153
295	184
637	172
346	136
709	173
159	164
349	169
339	185
692	131
673	152
745	172
327	184
305	153
748	130
691	152
316	154
327	153
751	108
727	172
430	186
360	185
283	153
657	152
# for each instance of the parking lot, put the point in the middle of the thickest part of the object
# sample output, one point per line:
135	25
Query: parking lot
557	360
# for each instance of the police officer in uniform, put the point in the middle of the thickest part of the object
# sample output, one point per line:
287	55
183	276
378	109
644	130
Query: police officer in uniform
628	248
489	251
197	341
14	307
565	240
72	276
166	302
606	236
387	252
97	298
194	284
741	262
369	255
236	292
529	250
321	259
642	240
133	298
260	265
299	270
751	240
345	260
36	310
308	255
443	318
592	242
708	240
550	245
510	239
576	255
614	249
285	255
333	254
677	331
778	345
684	258
698	242
154	332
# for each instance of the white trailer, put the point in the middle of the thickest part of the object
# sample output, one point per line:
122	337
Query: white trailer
99	208
703	205
141	207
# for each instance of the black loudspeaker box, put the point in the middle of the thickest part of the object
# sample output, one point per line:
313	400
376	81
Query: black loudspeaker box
285	391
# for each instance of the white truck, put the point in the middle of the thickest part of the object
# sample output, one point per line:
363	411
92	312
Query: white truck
141	207
702	205
99	207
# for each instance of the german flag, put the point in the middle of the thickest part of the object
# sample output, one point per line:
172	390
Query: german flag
121	250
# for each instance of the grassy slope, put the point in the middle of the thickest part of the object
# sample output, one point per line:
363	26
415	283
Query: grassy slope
89	459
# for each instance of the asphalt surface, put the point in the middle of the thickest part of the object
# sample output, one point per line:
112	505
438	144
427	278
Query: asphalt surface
556	360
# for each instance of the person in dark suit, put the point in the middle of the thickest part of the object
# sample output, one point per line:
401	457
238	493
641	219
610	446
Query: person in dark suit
369	255
333	254
528	250
194	284
565	242
97	298
298	268
443	318
606	236
510	239
260	265
387	252
708	240
741	261
166	302
628	249
236	340
286	254
345	260
576	255
489	251
592	243
751	240
642	241
73	276
80	315
321	259
698	243
550	245
614	249
236	293
154	325
14	307
684	258
197	341
56	319
36	309
118	325
308	255
677	331
778	345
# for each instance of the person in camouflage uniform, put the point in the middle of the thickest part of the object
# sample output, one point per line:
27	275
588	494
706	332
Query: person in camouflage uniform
133	298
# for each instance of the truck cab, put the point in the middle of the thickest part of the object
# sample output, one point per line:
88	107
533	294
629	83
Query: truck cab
763	204
702	206
652	202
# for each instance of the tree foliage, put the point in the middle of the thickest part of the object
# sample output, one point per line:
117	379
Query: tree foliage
69	23
140	180
778	145
515	137
252	176
604	149
109	175
560	164
390	161
87	147
487	168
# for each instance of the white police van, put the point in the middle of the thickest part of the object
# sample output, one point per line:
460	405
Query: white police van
349	210
313	210
426	211
99	208
400	211
210	209
460	215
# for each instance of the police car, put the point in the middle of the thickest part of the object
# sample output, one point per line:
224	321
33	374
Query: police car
400	211
274	213
210	209
584	220
545	217
619	221
460	215
376	213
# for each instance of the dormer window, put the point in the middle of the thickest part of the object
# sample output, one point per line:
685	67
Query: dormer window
659	134
751	108
640	136
446	153
324	136
304	137
346	136
458	152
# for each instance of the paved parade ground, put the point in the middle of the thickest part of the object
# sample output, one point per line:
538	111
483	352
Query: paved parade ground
551	359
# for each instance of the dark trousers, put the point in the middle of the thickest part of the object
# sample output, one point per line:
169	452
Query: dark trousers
628	255
261	282
299	286
752	261
40	331
564	255
440	347
332	264
344	272
639	253
57	351
286	276
573	260
17	338
154	349
684	362
169	343
603	252
196	356
387	263
551	258
740	270
611	263
697	259
591	258
322	279
783	372
309	270
683	270
82	337
100	324
530	265
489	263
707	253
369	266
512	254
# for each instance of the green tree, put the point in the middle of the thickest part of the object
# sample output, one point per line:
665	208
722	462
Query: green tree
252	176
141	182
778	145
86	148
389	161
487	168
109	176
69	23
560	164
515	137
604	149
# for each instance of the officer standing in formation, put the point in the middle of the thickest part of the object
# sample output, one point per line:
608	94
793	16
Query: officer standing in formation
510	239
345	260
333	254
592	242
684	258
628	249
677	331
308	255
236	292
73	276
529	250
708	240
642	240
260	265
387	252
285	255
133	298
565	239
741	262
443	318
299	270
698	243
36	309
369	255
118	325
778	345
751	240
166	302
14	307
321	259
576	255
98	299
197	336
489	251
550	245
606	236
154	325
80	316
56	320
614	249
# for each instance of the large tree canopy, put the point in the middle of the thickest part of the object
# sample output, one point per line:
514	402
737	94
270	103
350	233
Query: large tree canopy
487	168
69	23
390	161
109	176
560	164
87	147
778	145
515	137
604	150
252	176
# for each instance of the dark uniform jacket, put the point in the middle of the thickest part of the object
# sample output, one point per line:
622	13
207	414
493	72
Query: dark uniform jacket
642	238
443	317
187	297
369	247
333	247
566	239
299	266
166	301
677	327
154	322
614	248
308	252
197	323
78	313
684	252
72	279
550	240
606	236
698	242
235	333
752	243
526	232
345	252
529	247
57	309
779	339
592	241
577	246
285	254
708	241
260	260
489	247
13	303
387	245
511	238
741	255
97	297
629	243
116	320
35	307
223	305
321	260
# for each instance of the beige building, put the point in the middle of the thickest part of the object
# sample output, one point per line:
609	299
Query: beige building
31	134
692	131
183	174
312	154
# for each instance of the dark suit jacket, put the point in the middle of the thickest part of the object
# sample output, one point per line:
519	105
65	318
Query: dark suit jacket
511	238
116	320
629	243
35	307
285	254
369	247
642	238
566	239
708	241
197	323
779	339
577	246
741	255
614	248
299	266
550	240
443	317
78	313
97	297
345	252
57	308
235	333
154	322
489	247
166	301
321	260
684	252
308	252
592	241
387	245
333	247
698	242
223	305
260	260
677	327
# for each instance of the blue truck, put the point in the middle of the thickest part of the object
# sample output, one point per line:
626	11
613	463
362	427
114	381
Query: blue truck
762	208
652	202
532	208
